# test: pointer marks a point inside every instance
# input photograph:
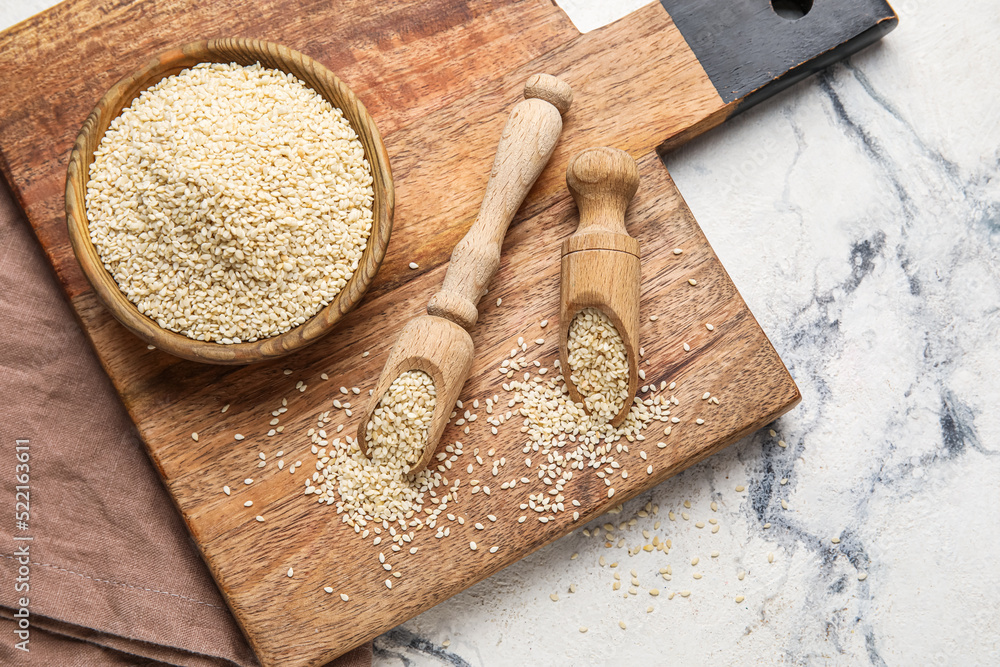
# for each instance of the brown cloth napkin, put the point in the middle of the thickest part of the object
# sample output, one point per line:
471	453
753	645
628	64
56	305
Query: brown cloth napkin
113	576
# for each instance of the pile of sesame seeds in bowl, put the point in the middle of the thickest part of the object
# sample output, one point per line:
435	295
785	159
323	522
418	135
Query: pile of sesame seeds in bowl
230	203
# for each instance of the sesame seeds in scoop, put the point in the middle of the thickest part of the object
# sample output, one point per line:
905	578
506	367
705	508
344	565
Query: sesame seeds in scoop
230	203
598	363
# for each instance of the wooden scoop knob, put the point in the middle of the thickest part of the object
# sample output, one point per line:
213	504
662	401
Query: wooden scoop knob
600	261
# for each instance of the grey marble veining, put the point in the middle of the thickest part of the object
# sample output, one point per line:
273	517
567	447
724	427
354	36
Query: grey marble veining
859	215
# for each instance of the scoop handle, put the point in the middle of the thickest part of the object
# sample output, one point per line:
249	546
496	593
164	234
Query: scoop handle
602	181
527	142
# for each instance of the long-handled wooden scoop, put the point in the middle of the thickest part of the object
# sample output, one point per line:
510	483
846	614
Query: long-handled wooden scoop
438	343
600	261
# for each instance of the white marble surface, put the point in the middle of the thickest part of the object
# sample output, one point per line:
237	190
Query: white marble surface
859	215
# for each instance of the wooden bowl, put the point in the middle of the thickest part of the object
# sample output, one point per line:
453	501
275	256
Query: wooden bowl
244	52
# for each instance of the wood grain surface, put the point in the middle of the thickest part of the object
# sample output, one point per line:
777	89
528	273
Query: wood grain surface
439	77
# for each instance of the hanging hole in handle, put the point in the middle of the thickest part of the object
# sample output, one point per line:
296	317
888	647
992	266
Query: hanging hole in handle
791	9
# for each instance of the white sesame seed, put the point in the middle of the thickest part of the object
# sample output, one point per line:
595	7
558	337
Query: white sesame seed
226	490
248	503
472	545
248	481
194	436
677	251
260	518
692	281
343	596
414	265
710	327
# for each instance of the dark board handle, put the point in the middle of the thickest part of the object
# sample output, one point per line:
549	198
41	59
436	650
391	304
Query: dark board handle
751	51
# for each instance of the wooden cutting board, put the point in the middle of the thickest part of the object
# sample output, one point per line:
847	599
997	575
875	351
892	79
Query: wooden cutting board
439	77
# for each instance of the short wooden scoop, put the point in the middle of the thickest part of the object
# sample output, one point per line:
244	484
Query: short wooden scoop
439	343
600	261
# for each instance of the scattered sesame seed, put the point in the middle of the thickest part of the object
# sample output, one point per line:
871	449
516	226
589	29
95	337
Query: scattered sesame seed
260	518
414	265
194	436
248	503
472	545
862	576
835	540
583	629
290	572
740	488
739	598
653	318
248	481
226	490
343	596
710	327
677	251
692	281
770	557
238	436
554	597
621	624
